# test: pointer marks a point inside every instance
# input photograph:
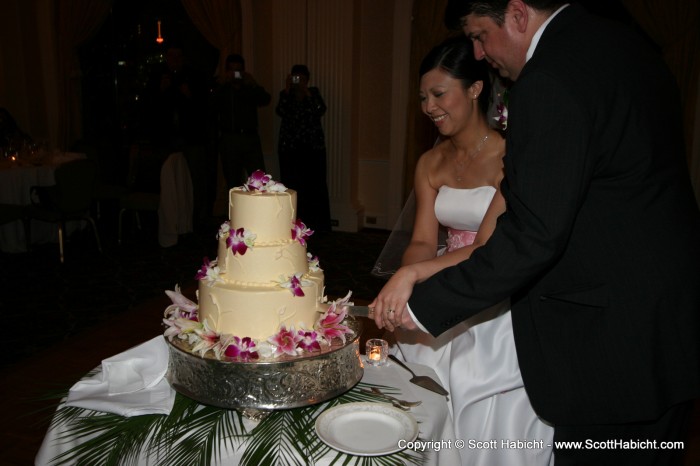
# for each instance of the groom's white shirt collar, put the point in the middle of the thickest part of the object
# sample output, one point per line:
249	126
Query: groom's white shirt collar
538	34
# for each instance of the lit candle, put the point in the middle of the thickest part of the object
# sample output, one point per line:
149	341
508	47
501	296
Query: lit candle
377	351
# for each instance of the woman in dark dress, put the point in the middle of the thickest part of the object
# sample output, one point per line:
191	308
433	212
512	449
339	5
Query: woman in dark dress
302	148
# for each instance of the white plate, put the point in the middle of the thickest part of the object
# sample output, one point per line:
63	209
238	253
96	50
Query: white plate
366	429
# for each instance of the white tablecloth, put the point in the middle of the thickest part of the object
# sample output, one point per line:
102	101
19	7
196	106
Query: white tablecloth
434	421
175	208
16	180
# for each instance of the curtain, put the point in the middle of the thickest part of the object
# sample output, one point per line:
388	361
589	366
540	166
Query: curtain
219	21
428	30
77	21
674	25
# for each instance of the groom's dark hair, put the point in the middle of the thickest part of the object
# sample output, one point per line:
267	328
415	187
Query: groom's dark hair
494	9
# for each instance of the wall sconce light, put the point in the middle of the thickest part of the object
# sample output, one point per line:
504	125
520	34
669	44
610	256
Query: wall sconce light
159	39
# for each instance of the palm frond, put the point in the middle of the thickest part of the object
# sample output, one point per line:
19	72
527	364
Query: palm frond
109	439
197	434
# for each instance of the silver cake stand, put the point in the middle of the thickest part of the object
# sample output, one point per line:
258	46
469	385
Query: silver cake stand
258	388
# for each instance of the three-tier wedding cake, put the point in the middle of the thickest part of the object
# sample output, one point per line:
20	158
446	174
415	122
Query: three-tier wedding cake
263	295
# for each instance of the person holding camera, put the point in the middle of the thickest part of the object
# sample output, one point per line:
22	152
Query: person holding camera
235	106
302	148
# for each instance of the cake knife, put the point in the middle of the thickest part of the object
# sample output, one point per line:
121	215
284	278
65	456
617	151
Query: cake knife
359	311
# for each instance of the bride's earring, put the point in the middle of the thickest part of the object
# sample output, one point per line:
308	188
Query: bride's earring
476	89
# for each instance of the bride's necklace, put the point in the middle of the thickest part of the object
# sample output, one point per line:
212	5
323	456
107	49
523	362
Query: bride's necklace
471	154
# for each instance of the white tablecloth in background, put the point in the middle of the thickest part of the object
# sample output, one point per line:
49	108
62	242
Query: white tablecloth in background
175	208
434	421
16	180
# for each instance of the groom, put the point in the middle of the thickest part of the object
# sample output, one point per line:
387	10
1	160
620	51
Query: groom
599	248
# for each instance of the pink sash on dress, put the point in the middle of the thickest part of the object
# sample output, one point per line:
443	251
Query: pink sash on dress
459	238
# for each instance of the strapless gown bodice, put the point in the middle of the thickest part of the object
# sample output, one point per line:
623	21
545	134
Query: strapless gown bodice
462	223
463	209
476	360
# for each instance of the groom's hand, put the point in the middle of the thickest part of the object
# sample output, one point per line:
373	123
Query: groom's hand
407	321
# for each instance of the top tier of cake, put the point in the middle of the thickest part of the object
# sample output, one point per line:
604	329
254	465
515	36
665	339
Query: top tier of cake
270	217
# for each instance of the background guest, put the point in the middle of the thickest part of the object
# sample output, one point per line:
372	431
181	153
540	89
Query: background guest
302	148
235	104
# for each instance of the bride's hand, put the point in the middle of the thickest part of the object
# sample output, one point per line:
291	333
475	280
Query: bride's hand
389	306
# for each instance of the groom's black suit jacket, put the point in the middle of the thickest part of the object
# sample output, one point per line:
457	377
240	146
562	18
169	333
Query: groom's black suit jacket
599	248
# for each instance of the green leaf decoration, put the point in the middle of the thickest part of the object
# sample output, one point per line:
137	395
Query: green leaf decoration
196	434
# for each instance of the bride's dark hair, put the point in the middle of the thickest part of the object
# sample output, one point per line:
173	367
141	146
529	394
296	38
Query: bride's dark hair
455	56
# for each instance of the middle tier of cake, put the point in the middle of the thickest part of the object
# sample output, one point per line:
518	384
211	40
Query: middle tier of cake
258	310
263	263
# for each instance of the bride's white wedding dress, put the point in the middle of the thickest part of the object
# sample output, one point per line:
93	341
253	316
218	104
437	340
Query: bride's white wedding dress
477	362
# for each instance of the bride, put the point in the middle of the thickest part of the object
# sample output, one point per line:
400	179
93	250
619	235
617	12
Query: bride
457	187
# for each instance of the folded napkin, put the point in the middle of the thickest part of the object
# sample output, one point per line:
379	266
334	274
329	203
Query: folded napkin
131	383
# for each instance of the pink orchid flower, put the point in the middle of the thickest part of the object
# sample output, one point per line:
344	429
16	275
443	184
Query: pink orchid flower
309	341
285	341
330	324
240	241
340	303
208	339
181	306
224	230
260	181
209	272
314	264
180	327
275	187
257	181
294	284
300	232
241	348
502	117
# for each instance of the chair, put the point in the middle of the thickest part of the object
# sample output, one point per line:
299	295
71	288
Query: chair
11	212
15	212
105	190
173	204
69	200
135	200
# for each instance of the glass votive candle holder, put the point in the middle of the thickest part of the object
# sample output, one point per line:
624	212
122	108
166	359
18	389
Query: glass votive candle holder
376	351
